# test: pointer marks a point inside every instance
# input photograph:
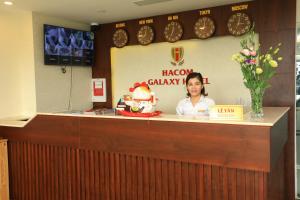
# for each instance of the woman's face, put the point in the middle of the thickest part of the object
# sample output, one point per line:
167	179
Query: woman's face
194	87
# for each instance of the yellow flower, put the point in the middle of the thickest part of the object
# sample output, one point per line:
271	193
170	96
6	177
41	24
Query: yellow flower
279	58
235	56
273	63
276	50
268	57
259	70
240	59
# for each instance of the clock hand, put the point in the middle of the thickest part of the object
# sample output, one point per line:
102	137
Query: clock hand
239	21
202	26
172	32
145	33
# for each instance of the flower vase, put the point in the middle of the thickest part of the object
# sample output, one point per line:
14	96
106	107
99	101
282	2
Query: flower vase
256	103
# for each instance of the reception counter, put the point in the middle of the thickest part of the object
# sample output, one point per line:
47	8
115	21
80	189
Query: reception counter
57	156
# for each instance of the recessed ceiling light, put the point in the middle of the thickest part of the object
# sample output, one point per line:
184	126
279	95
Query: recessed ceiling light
8	3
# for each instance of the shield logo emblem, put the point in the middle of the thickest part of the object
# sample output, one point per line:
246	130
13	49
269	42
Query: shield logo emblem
177	55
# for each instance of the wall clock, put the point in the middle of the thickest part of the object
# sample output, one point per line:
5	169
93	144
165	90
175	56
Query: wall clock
238	24
120	38
173	31
145	35
204	27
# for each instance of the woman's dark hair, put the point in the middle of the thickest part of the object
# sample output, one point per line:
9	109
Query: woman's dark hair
199	77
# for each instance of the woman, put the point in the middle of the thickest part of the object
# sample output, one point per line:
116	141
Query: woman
196	102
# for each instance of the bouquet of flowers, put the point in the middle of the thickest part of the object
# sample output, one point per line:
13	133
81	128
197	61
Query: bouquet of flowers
257	69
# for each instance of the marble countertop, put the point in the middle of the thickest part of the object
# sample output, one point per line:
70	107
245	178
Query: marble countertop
271	116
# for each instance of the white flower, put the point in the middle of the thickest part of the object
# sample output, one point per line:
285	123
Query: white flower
246	52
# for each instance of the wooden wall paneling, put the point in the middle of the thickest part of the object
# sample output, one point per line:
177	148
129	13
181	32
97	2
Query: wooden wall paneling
165	183
281	14
82	175
279	138
200	181
146	178
97	175
11	168
190	181
171	180
185	181
152	178
123	188
224	183
134	178
287	50
281	83
279	25
249	176
20	171
216	182
102	65
276	184
187	20
140	176
174	147
178	180
158	179
241	189
128	177
270	19
159	25
232	184
15	171
4	178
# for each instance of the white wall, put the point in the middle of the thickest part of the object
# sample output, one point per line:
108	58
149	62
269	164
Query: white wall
211	57
52	86
17	84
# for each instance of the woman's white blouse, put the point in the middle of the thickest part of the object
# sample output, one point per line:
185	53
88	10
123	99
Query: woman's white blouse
185	106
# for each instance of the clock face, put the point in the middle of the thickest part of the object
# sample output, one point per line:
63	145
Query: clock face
120	38
204	27
145	35
173	31
239	24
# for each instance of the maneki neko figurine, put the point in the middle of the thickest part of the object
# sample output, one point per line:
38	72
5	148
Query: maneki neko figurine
141	100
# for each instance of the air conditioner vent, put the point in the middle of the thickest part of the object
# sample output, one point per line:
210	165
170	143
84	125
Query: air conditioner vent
149	2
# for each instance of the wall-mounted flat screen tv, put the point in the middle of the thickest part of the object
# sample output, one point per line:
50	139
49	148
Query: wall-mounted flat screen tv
65	46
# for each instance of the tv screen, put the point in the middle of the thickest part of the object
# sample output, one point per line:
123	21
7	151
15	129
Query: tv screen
65	46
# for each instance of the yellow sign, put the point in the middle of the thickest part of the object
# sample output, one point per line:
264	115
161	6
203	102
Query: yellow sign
120	25
146	21
239	7
204	12
226	112
174	17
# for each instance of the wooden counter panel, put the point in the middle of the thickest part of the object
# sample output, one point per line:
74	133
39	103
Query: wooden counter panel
191	142
43	129
59	157
56	172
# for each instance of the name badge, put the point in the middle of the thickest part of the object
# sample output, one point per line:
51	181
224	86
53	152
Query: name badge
226	112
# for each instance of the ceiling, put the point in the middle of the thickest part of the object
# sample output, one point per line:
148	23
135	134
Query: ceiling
106	11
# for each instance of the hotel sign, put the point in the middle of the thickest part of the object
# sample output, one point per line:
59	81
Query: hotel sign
175	76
